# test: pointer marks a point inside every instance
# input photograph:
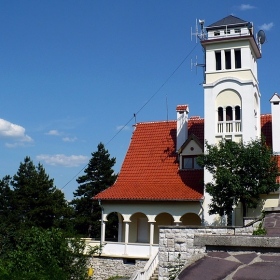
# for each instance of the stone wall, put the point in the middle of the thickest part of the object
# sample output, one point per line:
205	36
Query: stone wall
179	241
106	267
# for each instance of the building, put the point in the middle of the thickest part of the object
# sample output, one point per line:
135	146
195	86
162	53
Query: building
160	182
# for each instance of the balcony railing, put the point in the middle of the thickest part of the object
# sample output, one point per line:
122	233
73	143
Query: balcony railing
120	249
229	127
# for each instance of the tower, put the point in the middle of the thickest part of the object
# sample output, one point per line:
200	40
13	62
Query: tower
231	88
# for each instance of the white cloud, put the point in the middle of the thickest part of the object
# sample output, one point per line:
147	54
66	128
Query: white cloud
267	26
244	7
63	160
13	132
53	132
67	139
122	127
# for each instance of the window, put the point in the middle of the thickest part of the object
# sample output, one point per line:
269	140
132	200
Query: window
220	114
228	59
237	55
237	113
216	33
229	113
227	31
238	30
218	60
189	162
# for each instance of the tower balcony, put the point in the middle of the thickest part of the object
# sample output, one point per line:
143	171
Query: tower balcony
229	126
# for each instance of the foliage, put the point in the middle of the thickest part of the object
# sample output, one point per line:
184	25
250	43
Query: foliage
98	176
260	230
241	173
35	201
116	277
41	254
5	200
175	268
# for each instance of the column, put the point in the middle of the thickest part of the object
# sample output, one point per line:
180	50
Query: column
103	227
152	230
120	232
126	235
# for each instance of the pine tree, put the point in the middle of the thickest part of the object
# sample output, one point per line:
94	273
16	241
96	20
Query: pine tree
35	200
98	176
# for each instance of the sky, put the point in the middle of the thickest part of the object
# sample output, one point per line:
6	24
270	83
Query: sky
77	73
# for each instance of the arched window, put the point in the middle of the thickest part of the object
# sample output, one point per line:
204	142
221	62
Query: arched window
237	113
220	114
229	113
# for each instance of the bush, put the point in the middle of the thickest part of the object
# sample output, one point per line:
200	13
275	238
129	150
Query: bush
39	254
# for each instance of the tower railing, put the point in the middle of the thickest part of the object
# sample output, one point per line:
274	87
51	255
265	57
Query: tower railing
229	126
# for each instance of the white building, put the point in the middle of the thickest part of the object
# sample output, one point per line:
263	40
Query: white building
160	182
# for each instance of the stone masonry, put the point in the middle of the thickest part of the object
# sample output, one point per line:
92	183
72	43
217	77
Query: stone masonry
106	267
175	241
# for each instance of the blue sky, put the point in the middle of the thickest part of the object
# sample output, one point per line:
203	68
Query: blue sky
72	73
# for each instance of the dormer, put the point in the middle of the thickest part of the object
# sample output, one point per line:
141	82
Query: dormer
188	153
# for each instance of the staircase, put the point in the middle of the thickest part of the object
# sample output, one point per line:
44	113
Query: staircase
272	222
155	275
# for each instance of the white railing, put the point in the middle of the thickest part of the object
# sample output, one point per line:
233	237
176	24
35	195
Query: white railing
148	270
121	249
229	126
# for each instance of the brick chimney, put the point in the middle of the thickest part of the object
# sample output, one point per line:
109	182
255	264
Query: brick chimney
182	125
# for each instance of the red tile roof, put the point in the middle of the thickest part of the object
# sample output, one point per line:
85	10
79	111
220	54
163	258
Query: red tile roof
180	108
150	170
266	128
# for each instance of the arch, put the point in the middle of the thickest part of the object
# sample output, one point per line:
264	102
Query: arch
228	97
139	228
220	114
112	226
229	113
162	219
191	219
237	113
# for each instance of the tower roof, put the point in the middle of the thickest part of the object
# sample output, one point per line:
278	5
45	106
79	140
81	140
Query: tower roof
229	20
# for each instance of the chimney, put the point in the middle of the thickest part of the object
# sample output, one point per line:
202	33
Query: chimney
275	112
182	125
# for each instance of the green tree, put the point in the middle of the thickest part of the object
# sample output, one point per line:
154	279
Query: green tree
241	173
98	176
5	200
42	254
35	200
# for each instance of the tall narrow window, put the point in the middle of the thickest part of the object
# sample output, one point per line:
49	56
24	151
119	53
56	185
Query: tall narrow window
237	113
218	60
228	59
229	113
237	55
220	114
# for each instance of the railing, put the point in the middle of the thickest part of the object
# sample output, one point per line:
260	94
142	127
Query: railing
229	126
148	270
141	250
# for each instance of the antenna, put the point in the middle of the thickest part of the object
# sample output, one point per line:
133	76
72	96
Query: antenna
202	35
203	65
